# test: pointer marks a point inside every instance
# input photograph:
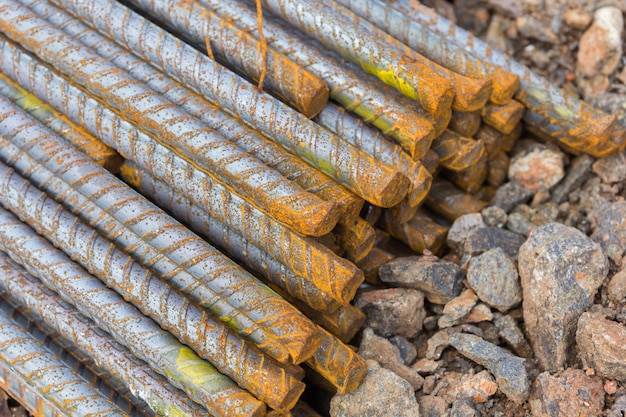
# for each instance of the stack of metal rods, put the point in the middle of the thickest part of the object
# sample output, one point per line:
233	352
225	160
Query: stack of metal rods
251	207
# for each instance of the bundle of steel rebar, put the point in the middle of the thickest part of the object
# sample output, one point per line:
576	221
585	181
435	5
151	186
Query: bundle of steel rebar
192	191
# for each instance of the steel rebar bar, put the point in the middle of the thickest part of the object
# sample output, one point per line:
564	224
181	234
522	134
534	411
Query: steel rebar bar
363	175
303	255
451	202
241	52
465	123
457	153
503	118
260	184
578	122
62	318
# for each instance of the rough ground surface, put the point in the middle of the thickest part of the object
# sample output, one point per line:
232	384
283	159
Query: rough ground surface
526	314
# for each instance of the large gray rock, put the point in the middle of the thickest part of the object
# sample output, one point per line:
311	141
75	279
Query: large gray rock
439	280
561	270
508	369
569	393
493	276
393	311
381	394
602	345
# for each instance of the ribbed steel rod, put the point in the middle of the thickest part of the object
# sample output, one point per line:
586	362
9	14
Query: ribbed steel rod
470	93
240	51
451	202
24	359
289	165
577	120
47	308
95	149
371	141
399	118
197	329
465	123
390	65
456	152
182	258
503	118
336	275
260	184
362	174
233	243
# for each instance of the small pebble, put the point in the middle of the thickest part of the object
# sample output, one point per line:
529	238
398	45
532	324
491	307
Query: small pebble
494	216
487	238
602	345
425	366
616	288
611	169
432	406
510	195
494	278
408	351
461	305
610	387
518	223
476	387
541	167
463	408
610	231
510	332
462	228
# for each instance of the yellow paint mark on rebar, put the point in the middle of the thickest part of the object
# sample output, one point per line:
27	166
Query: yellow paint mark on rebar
389	77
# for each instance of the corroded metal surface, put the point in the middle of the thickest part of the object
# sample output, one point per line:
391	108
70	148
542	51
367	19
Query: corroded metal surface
398	118
465	123
179	256
576	120
503	118
390	65
495	141
371	141
420	233
197	329
357	238
498	169
96	150
292	167
456	152
303	255
338	364
471	179
240	51
451	202
470	93
47	308
362	174
260	184
257	258
26	364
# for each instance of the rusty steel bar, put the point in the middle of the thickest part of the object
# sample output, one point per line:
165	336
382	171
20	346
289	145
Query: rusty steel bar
503	118
551	129
83	141
292	167
430	161
302	409
233	243
182	367
183	259
371	141
576	120
399	118
197	329
471	179
457	153
357	238
24	359
495	141
336	275
403	212
465	123
362	174
343	323
338	364
450	202
420	233
260	184
240	51
47	309
401	21
390	65
470	93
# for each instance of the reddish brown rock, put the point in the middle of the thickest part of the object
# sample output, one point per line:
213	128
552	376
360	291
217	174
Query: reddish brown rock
602	345
568	393
476	387
539	168
394	311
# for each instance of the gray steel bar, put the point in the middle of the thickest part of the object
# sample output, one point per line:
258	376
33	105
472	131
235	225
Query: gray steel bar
362	174
47	309
208	337
46	382
258	183
337	276
181	258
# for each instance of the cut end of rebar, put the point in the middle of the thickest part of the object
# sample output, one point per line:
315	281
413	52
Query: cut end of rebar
504	118
389	191
420	185
357	370
351	278
308	342
291	398
316	100
472	94
505	85
316	221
